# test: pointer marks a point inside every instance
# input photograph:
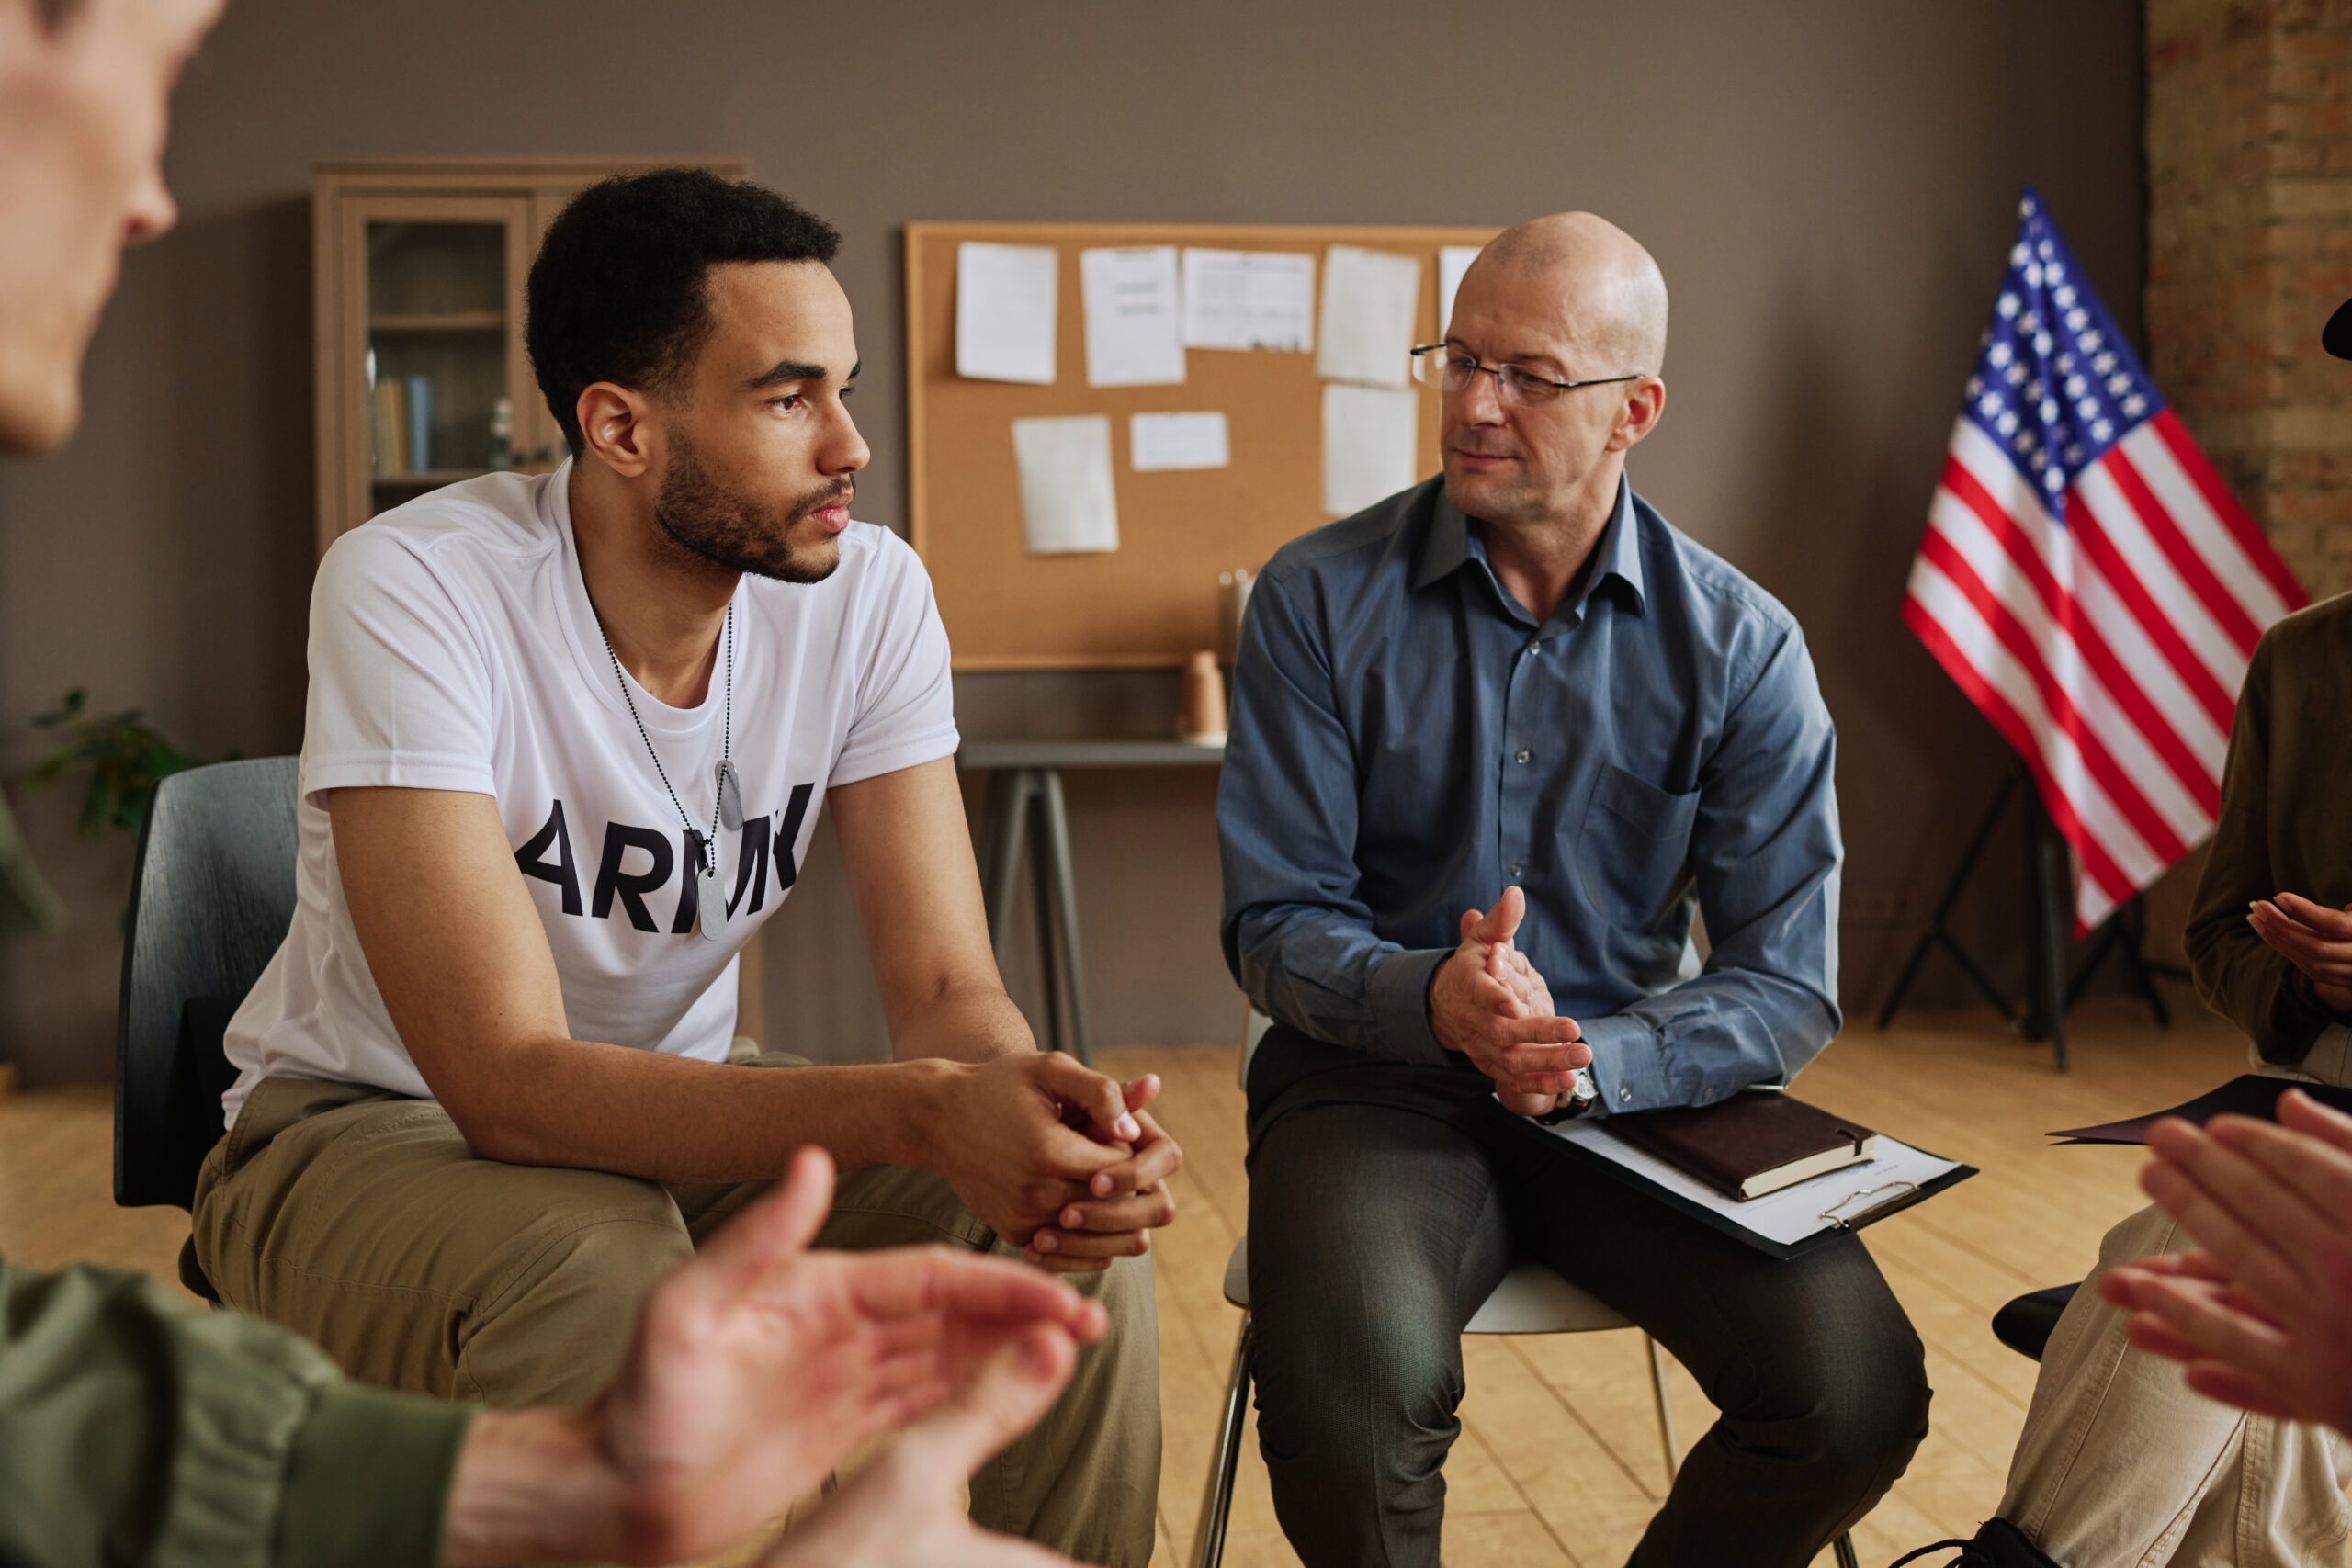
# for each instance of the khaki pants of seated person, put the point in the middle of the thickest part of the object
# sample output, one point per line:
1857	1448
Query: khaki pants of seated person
361	1220
2122	1466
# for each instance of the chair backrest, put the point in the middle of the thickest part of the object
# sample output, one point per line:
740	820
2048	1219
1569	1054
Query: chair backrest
211	895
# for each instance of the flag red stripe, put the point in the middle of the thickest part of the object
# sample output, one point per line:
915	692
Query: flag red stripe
2084	525
2203	783
2057	700
2242	526
2094	859
1970	492
2219	601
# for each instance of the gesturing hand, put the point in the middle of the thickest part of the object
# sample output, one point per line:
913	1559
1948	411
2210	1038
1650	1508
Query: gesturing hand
1126	1203
756	1368
2314	939
906	1509
1487	1002
1028	1133
2263	1313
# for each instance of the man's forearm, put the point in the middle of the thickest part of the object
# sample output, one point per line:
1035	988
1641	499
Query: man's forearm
1324	972
596	1107
961	1023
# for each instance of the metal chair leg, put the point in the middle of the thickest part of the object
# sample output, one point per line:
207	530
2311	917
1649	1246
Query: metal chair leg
1845	1548
1008	814
1665	1436
1225	1457
1065	898
1046	907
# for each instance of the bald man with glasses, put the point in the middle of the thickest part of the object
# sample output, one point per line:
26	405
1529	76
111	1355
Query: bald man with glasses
1495	741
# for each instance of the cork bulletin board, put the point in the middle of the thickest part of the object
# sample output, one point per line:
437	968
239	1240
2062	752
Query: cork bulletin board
1153	600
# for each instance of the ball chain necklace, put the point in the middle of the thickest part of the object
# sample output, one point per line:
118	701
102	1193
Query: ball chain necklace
710	898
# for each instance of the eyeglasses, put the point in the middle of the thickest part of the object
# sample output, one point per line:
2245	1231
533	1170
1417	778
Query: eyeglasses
1451	370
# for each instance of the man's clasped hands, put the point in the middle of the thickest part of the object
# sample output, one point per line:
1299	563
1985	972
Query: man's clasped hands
1487	1002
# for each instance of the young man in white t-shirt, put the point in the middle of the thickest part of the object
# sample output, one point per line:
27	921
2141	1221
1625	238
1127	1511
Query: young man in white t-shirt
566	741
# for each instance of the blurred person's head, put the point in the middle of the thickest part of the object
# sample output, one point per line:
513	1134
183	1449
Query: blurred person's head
1569	298
696	349
85	91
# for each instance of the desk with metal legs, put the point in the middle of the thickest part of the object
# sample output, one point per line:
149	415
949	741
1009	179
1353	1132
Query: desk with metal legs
1028	783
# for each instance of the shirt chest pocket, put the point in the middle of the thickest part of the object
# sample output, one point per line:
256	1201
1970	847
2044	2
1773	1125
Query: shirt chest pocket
1633	848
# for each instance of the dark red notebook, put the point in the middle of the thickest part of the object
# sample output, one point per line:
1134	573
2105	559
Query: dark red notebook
1751	1144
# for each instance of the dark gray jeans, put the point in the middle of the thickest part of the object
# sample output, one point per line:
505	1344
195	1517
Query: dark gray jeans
1387	1201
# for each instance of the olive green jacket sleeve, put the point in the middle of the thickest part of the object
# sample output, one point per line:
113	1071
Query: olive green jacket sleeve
136	1428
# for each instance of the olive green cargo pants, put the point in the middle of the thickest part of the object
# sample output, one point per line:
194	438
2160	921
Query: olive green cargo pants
361	1220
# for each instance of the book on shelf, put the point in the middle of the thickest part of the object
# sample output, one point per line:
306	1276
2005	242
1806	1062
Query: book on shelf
388	425
420	424
400	418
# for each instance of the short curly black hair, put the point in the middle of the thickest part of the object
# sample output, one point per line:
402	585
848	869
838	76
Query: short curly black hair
621	289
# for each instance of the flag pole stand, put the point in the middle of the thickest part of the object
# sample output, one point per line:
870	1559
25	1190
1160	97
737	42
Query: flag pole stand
2047	927
2049	995
2127	933
1938	933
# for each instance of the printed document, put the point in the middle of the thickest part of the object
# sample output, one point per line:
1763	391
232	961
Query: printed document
1068	505
1368	440
1368	311
1452	261
1157	441
1004	312
1135	334
1249	299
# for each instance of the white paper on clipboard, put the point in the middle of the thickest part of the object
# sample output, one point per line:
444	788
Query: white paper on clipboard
1793	1213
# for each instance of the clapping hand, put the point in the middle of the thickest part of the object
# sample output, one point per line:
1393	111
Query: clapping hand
1487	1002
757	1367
2262	1313
2314	939
906	1509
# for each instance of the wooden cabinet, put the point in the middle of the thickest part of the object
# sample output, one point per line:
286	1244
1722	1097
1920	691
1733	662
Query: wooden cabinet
418	267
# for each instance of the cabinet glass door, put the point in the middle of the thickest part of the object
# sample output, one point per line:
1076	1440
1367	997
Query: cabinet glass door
438	405
436	362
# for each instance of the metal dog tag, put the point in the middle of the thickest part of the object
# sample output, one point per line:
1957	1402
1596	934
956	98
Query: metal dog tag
710	896
731	798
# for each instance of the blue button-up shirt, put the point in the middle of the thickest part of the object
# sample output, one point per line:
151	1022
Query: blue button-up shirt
1407	741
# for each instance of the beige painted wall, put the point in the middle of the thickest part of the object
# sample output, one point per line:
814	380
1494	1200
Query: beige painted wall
1827	183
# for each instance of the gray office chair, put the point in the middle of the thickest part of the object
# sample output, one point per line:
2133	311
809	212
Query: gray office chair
211	894
1531	1299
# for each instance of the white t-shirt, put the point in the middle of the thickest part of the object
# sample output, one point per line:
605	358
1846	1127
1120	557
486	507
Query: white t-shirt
453	646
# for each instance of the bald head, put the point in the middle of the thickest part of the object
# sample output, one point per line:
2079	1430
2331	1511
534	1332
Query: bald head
1609	290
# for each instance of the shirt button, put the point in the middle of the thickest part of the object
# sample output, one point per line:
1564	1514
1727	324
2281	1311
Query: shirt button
1623	1094
1523	757
1515	873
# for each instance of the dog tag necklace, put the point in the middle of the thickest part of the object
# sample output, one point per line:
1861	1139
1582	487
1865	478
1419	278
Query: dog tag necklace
710	897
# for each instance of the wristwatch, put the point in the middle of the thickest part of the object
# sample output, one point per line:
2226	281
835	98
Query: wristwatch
1582	1096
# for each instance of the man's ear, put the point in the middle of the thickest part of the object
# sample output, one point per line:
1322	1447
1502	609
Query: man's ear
618	427
1638	415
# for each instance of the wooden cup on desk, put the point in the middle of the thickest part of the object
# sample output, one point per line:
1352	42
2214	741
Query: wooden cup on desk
1203	709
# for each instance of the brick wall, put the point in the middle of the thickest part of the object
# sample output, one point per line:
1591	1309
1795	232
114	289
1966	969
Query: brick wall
2249	138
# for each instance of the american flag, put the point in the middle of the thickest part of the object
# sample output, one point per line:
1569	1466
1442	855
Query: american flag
2088	580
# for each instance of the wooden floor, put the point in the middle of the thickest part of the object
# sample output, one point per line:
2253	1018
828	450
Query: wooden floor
1558	1462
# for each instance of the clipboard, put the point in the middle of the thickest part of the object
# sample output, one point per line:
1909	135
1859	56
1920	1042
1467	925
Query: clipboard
1847	1199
